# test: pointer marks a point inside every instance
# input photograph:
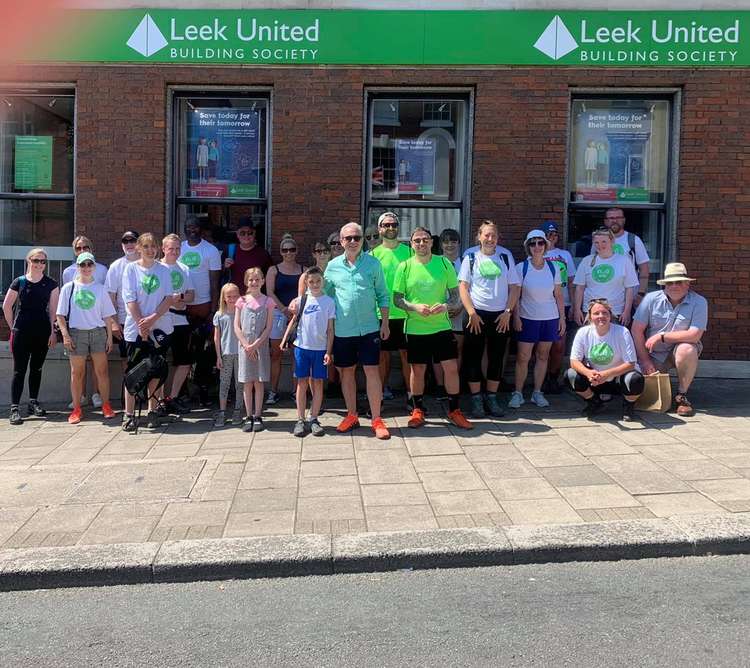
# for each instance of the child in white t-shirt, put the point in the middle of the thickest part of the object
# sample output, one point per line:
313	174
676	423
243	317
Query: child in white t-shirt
227	353
314	314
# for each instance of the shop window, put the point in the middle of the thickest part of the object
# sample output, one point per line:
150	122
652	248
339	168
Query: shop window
36	178
220	161
417	148
620	151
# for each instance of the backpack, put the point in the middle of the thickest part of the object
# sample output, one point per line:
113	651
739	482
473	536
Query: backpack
152	365
525	270
297	321
472	258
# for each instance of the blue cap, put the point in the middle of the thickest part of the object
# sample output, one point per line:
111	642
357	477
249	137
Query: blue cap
549	226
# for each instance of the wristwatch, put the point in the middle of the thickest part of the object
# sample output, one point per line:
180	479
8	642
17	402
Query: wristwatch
508	310
641	294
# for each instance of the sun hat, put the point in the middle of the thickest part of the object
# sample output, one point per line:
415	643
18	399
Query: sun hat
536	234
673	273
85	257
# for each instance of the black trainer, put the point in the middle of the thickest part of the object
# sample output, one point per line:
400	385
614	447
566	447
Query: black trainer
153	420
15	415
35	409
628	411
593	406
130	423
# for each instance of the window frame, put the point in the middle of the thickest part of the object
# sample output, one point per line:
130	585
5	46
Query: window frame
173	180
423	94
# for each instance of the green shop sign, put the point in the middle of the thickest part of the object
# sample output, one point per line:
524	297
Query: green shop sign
358	37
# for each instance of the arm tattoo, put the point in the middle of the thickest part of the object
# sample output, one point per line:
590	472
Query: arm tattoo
454	299
398	300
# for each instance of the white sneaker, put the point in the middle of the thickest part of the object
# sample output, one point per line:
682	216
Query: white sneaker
96	400
84	401
516	400
538	398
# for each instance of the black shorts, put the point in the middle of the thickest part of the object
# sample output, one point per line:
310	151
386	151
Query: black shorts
351	350
397	339
179	342
426	348
122	346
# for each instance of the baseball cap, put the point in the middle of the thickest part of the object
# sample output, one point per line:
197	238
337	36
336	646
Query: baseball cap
549	226
85	257
130	235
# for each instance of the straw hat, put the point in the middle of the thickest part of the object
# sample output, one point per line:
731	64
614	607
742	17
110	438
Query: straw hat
673	273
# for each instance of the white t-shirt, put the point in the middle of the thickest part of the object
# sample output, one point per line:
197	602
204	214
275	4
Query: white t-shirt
100	273
607	279
564	261
200	260
489	280
147	287
114	285
500	250
538	292
313	323
181	282
89	305
621	246
603	352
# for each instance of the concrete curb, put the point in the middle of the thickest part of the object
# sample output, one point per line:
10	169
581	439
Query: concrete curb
285	556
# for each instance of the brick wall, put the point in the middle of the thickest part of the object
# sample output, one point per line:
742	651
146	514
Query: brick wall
519	153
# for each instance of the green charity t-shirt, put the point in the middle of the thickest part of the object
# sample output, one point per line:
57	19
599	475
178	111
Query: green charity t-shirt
150	283
426	284
603	273
390	259
178	280
601	353
84	299
618	249
191	259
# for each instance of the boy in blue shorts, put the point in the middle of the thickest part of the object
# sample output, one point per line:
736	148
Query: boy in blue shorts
312	323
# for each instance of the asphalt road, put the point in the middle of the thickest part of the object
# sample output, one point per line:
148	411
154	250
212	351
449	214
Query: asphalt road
686	612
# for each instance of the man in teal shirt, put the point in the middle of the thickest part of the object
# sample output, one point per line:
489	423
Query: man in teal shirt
355	281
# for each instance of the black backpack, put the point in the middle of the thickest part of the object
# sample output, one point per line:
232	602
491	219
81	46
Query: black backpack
148	364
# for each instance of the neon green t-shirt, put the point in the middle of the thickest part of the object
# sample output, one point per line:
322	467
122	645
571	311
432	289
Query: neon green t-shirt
390	259
426	284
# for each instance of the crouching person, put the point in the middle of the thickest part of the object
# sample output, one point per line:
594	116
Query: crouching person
603	361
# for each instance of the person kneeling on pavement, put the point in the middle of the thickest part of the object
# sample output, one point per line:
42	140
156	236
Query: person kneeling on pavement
667	330
603	360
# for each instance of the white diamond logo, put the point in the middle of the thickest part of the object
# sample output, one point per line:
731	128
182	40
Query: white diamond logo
147	39
556	40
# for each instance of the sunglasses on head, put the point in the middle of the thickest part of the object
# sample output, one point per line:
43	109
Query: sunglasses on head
88	263
83	248
352	237
37	260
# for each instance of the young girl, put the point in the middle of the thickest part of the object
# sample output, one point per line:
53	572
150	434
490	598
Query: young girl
312	349
227	357
85	317
253	319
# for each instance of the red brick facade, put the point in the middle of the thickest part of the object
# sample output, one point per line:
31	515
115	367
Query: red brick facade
519	155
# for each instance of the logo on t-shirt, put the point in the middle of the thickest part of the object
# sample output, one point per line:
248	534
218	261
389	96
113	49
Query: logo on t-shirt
84	299
563	271
601	353
177	279
191	259
490	269
603	273
150	283
618	249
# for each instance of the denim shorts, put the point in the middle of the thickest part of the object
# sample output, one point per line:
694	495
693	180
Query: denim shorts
309	364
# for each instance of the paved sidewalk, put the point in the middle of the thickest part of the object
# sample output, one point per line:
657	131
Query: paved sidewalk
93	484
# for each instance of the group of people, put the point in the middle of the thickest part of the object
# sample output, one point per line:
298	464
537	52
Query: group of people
448	312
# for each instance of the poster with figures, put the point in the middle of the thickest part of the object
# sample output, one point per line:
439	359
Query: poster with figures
223	152
612	149
415	166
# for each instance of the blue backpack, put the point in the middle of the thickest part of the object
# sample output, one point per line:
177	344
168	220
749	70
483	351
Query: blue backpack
525	270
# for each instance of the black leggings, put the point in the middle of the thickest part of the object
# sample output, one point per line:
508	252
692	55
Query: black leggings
629	384
474	348
29	351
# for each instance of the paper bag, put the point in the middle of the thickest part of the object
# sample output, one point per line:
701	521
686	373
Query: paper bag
657	394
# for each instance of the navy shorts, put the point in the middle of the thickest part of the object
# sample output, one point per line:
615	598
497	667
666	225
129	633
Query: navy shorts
396	339
309	364
535	331
352	350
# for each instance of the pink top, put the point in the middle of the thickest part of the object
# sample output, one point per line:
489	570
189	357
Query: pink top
254	303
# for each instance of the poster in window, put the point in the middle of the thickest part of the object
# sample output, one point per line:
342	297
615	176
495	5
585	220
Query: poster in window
415	166
33	162
612	160
223	152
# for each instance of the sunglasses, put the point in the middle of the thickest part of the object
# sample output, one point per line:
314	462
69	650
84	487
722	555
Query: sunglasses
83	248
322	250
247	233
333	244
538	242
129	240
370	237
288	250
352	237
37	260
88	263
422	240
389	226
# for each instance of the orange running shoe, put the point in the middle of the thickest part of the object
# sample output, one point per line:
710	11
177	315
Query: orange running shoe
107	411
75	416
351	421
459	419
381	431
417	418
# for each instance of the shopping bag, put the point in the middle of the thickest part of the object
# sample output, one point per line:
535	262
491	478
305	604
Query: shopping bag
657	394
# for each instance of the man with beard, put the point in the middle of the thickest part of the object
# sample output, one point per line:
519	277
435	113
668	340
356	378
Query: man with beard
391	253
